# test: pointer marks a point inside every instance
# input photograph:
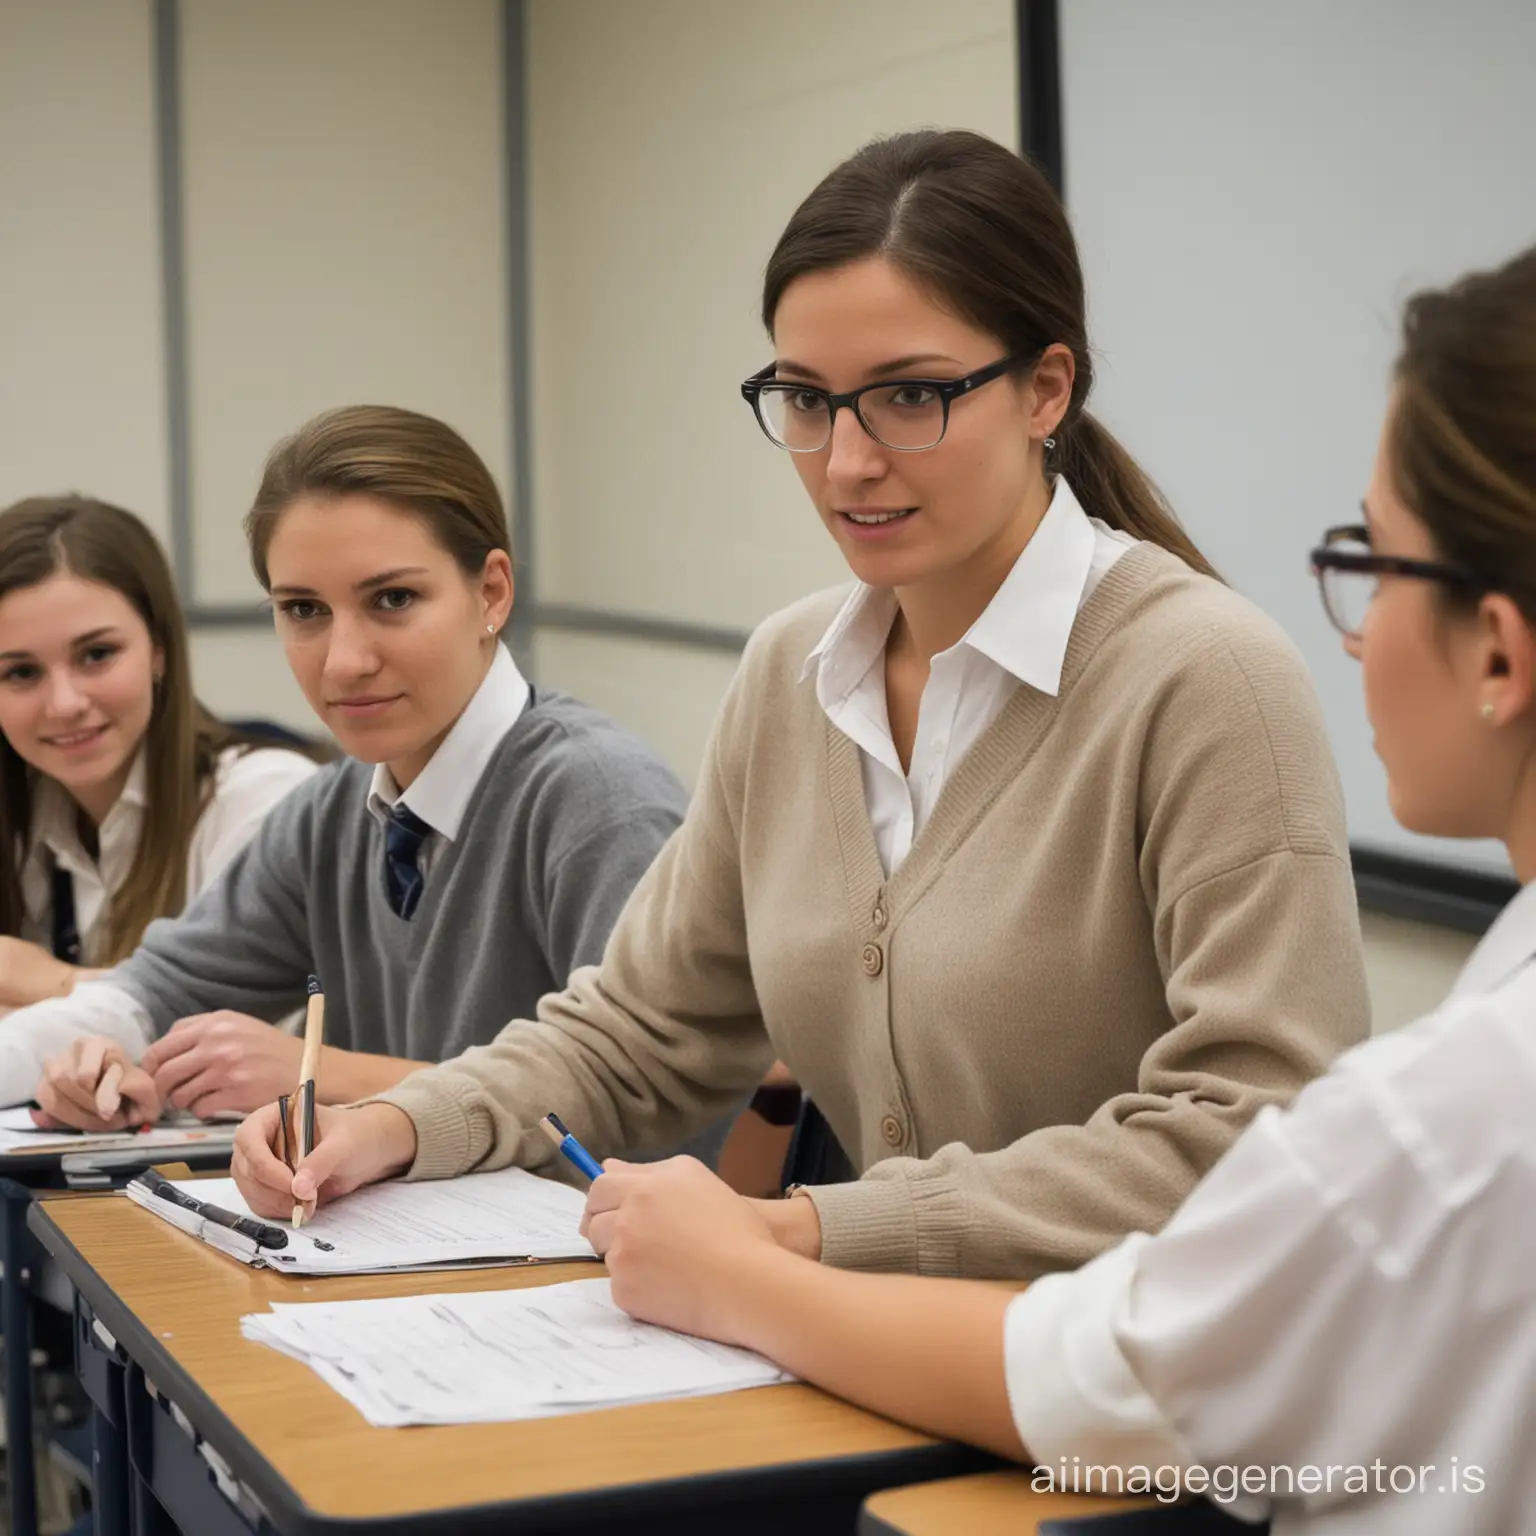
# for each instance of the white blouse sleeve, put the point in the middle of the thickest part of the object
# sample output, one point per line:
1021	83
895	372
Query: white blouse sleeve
29	1036
247	786
1313	1301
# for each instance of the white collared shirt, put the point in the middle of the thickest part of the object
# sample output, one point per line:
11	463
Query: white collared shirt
1354	1282
1021	637
247	784
441	792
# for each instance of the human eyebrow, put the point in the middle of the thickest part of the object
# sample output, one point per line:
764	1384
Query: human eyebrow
90	637
385	578
880	371
917	359
368	584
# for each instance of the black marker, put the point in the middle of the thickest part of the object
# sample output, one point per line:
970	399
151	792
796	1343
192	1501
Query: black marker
260	1232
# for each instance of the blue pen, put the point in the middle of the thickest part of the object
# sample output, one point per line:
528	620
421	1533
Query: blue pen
554	1128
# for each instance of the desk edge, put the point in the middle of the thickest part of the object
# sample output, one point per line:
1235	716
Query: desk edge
572	1510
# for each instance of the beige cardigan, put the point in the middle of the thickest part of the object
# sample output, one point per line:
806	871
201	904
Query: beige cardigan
1129	924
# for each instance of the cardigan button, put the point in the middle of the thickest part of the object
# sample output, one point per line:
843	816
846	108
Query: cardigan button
890	1129
879	917
873	958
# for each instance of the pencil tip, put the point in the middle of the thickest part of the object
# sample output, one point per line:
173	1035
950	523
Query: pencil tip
314	986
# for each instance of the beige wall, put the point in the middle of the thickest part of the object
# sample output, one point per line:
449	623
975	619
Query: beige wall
82	387
1409	967
344	240
669	142
342	179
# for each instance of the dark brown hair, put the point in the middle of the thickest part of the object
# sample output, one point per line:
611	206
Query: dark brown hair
983	231
1462	433
416	462
40	538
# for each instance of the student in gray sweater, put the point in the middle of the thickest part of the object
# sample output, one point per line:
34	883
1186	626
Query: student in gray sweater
476	849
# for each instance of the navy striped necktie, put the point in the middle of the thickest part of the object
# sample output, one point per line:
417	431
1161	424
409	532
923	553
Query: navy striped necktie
404	834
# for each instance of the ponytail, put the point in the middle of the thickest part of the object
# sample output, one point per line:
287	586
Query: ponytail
1111	486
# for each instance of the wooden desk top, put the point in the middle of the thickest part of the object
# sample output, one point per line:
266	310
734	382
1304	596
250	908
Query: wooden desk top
988	1504
174	1304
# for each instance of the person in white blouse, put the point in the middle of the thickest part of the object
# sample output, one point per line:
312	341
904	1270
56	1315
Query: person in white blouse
1338	1327
121	797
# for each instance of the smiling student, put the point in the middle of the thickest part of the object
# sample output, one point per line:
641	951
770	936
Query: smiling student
1026	856
476	849
121	797
1351	1289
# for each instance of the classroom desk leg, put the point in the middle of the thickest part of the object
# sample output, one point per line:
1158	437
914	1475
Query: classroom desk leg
18	1254
111	1483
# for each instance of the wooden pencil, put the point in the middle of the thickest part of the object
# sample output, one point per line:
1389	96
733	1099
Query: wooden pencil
309	1067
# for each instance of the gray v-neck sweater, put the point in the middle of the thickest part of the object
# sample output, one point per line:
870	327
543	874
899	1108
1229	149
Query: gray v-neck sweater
568	814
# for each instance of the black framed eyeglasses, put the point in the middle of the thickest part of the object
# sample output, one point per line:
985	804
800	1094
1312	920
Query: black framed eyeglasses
1348	574
907	415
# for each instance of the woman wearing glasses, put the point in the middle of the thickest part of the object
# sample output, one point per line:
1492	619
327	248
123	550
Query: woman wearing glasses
1026	856
1349	1297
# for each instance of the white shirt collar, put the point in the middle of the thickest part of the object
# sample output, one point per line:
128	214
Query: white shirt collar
1024	629
56	829
441	791
1504	949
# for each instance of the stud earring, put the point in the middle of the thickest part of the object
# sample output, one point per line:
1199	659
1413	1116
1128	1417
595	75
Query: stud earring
1488	711
490	629
1049	445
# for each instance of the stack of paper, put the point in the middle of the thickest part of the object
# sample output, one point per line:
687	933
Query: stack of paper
20	1133
497	1355
482	1218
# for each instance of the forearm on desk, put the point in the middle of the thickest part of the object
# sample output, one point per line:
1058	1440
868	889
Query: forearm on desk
926	1352
346	1076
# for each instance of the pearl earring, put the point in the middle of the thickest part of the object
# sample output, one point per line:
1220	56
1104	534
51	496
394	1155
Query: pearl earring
1488	711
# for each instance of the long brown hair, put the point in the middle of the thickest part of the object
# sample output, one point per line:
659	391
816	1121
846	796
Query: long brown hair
42	537
415	462
983	231
1462	434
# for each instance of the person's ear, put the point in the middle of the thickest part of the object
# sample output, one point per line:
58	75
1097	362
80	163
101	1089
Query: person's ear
1050	389
496	589
1506	660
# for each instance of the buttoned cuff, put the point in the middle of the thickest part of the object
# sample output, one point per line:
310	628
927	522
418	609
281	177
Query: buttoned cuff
911	1226
1070	1388
452	1134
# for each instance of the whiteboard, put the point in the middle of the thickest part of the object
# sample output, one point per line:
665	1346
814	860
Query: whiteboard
1255	189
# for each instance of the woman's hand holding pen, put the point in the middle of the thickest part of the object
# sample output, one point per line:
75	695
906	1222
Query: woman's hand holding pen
214	1062
356	1147
680	1244
93	1086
